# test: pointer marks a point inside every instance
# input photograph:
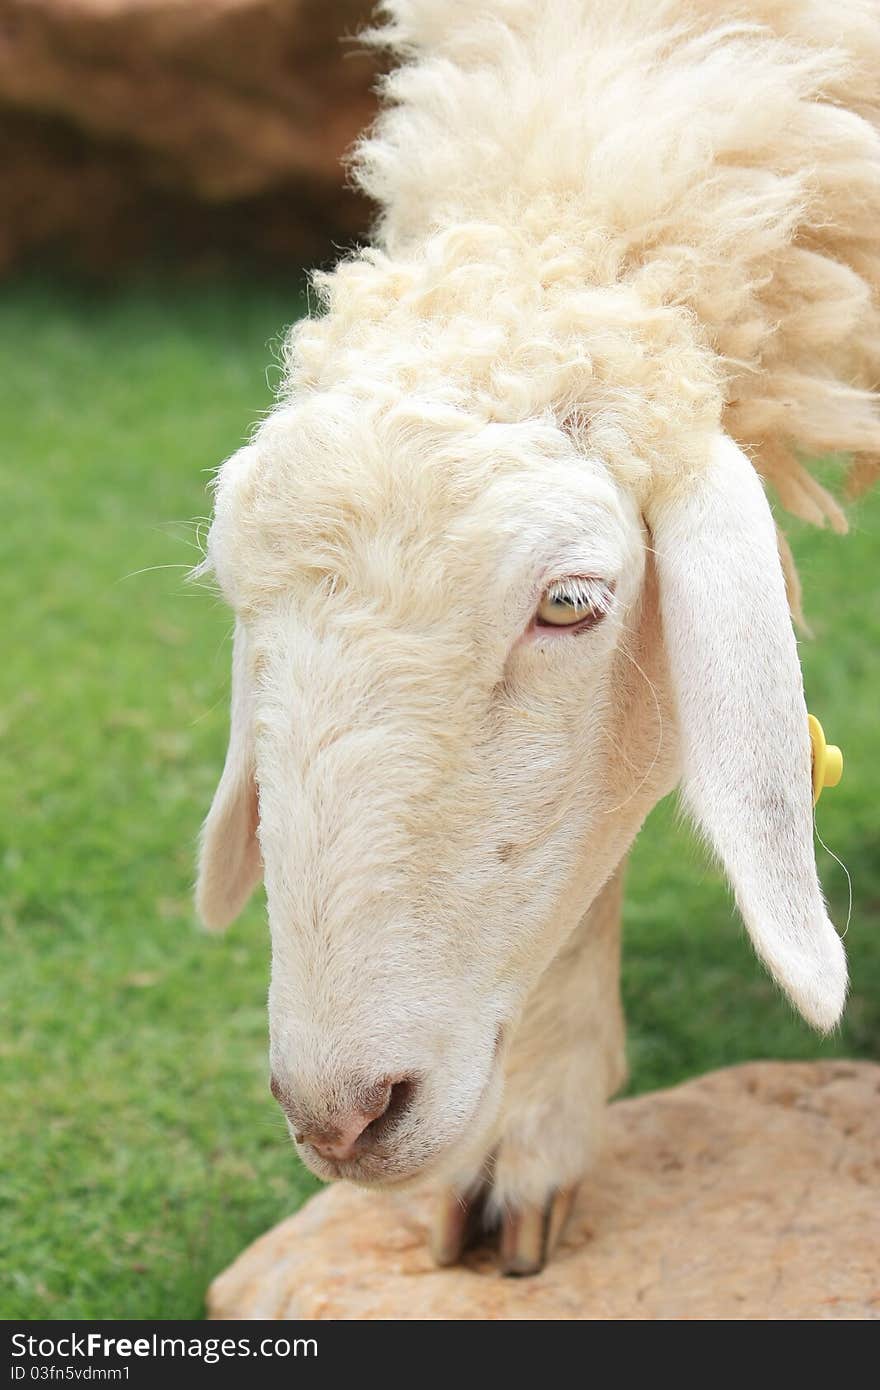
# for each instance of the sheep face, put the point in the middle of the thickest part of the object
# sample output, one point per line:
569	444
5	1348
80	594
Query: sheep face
436	776
450	696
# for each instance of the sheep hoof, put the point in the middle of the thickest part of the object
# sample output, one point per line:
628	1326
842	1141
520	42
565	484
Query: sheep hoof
529	1234
457	1224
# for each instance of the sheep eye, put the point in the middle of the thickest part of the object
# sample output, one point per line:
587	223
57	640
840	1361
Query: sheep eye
578	602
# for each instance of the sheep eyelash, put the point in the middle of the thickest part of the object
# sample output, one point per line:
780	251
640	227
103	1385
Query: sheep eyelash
583	592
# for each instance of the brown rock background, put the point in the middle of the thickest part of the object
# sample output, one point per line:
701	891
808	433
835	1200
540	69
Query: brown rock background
751	1193
192	130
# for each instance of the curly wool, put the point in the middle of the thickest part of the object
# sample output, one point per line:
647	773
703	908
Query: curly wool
639	219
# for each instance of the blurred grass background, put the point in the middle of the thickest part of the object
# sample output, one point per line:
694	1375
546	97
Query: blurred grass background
140	1149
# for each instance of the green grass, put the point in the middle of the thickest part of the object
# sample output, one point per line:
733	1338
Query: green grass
140	1150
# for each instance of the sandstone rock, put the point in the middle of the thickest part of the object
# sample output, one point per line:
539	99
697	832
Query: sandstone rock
124	122
751	1193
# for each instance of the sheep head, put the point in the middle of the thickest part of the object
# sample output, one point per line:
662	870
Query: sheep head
468	661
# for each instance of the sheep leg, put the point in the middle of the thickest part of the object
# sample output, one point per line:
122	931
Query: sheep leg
458	1223
567	1057
530	1234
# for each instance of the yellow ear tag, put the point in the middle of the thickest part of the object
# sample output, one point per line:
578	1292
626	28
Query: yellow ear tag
827	759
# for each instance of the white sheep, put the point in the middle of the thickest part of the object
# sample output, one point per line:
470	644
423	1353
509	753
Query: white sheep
504	572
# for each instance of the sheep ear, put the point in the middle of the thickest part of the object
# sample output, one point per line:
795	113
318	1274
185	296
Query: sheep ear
743	722
229	859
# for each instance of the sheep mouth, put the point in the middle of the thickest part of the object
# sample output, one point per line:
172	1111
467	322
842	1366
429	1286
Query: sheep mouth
381	1168
368	1171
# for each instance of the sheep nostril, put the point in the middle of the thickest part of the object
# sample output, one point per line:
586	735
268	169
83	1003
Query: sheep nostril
347	1132
400	1096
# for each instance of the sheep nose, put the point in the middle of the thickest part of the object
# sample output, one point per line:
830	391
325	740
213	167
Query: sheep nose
356	1131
